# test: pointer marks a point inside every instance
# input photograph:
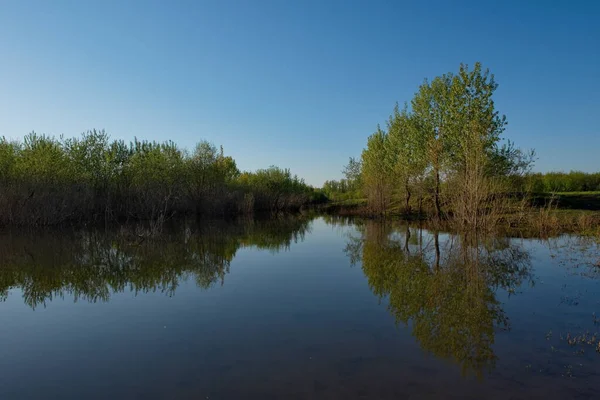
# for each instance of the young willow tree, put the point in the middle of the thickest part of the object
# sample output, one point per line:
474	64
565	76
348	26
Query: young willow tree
446	144
407	156
474	130
432	118
377	178
352	172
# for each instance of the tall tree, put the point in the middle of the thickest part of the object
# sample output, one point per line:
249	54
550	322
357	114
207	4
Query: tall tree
352	173
431	113
406	152
376	171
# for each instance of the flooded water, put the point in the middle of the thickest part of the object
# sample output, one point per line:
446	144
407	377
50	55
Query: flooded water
297	309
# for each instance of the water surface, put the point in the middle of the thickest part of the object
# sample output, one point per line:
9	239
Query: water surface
293	308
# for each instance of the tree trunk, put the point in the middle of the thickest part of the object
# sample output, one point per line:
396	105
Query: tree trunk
408	194
438	210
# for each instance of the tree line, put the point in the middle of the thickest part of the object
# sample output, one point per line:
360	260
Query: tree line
46	180
442	152
348	187
574	181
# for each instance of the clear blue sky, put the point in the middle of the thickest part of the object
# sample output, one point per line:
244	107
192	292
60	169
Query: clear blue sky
299	84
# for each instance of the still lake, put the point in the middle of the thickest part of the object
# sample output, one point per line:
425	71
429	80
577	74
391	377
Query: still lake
297	308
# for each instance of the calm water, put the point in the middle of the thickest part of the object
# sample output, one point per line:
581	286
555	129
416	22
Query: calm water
296	309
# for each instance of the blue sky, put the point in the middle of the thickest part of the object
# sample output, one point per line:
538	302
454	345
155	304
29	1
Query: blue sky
299	84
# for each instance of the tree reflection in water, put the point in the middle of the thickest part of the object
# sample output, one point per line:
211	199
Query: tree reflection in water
92	264
443	286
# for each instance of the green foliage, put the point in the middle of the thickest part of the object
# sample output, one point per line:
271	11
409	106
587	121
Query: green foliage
8	158
340	190
43	159
348	187
574	181
446	146
377	164
277	189
90	157
47	181
408	155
